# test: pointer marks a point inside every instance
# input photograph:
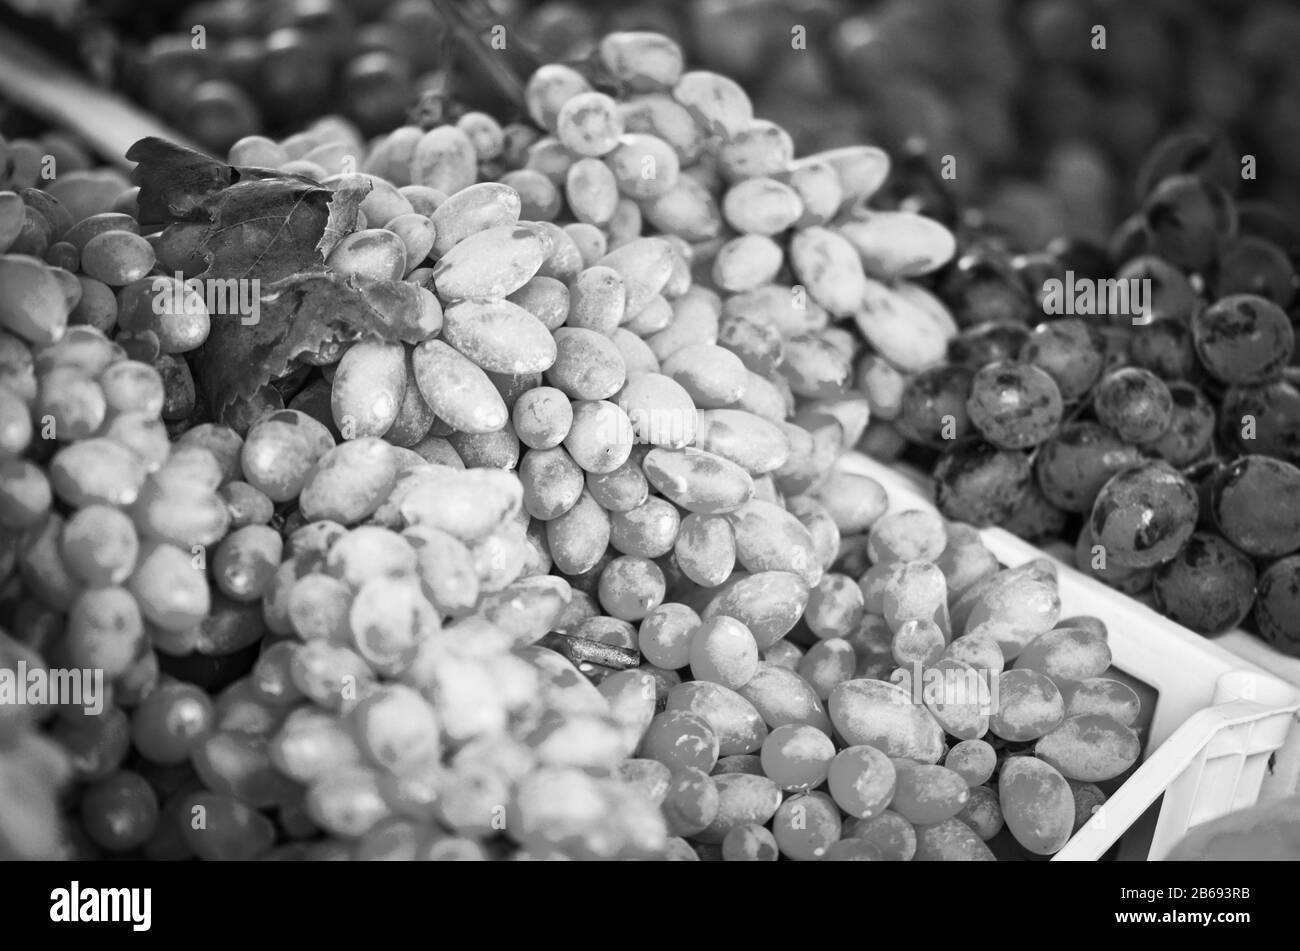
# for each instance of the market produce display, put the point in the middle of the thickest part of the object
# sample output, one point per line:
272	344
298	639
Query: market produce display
509	519
469	454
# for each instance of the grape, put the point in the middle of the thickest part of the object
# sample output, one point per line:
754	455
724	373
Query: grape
724	651
826	664
218	827
889	833
983	812
1255	504
749	843
1263	419
1036	519
852	850
105	630
1275	606
1191	431
691	802
280	450
1143	515
1071	351
928	794
1036	803
806	826
681	740
1190	152
1029	706
168	720
25	495
835	606
972	760
630	587
119	812
796	756
70	403
933	407
981	484
1187	220
1243	339
388	619
1091	748
1066	655
96	745
1135	403
1088	798
1209	586
862	781
117	257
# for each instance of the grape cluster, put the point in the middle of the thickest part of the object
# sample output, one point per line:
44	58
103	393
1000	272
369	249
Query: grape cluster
576	563
1156	444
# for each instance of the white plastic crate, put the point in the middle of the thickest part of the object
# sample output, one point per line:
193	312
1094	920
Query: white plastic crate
1218	719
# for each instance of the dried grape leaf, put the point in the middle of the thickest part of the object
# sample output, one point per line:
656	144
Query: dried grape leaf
177	183
343	208
298	315
266	229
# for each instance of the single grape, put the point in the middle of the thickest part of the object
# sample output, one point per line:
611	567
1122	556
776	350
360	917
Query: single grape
1071	350
933	406
1255	502
1165	348
1277	606
973	760
796	756
1187	220
981	484
1262	419
1014	405
982	812
1135	403
862	781
1243	339
120	812
1190	435
806	826
1143	515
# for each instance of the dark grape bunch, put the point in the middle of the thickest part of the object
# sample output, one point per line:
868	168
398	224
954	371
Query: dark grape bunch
1162	450
1036	155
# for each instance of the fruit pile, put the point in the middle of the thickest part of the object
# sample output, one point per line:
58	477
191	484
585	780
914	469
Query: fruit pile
513	518
1158	443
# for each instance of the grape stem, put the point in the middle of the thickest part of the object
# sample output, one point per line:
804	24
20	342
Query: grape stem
503	72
